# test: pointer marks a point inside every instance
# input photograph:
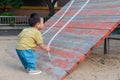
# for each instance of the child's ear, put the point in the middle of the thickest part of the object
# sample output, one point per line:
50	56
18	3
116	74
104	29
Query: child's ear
37	25
41	20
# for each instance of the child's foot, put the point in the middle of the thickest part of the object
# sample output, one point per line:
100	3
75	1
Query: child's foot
27	70
32	72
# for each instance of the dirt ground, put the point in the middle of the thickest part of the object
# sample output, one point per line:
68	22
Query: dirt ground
90	69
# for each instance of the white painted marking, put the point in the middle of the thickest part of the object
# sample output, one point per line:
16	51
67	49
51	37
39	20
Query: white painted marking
59	18
66	25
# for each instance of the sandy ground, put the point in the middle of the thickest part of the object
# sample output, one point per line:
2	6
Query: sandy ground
90	69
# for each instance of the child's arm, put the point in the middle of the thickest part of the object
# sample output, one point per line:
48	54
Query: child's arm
44	47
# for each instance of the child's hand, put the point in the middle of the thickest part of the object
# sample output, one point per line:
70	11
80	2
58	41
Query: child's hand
48	49
44	47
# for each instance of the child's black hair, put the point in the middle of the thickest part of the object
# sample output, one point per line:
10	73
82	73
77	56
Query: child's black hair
34	19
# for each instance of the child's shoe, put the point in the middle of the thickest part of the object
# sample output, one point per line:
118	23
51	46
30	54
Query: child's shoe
32	72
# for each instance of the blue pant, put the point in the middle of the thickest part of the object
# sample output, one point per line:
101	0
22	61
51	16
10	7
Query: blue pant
27	58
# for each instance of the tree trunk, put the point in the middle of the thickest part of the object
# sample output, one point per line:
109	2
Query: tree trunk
53	3
51	7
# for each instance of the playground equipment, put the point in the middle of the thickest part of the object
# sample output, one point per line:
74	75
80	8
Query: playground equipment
82	28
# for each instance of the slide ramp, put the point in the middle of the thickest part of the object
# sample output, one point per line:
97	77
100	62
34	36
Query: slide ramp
82	28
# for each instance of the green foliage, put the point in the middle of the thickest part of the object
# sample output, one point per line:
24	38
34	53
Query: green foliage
10	21
7	14
14	3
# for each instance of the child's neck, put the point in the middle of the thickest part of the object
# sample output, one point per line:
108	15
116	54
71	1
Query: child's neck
35	27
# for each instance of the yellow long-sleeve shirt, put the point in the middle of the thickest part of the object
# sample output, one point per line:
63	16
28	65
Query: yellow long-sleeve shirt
29	38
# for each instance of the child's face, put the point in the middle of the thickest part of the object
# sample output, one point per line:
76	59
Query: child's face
40	25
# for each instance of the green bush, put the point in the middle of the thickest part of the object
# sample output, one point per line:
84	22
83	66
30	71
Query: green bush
10	21
7	14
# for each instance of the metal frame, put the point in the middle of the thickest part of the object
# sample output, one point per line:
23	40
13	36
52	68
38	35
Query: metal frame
107	42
